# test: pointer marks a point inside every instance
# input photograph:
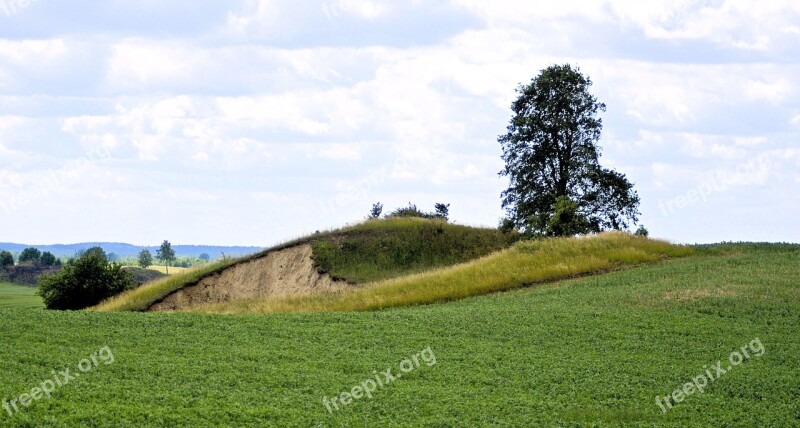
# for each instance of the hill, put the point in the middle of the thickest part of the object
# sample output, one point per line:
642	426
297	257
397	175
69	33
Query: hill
342	258
592	351
388	263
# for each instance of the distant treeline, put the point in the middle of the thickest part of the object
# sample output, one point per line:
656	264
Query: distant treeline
123	250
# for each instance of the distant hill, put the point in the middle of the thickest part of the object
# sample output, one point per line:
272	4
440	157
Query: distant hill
128	250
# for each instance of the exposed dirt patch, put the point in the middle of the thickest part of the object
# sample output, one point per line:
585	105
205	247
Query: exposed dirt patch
281	273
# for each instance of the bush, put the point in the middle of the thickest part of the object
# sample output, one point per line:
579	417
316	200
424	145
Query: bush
6	259
30	255
567	219
642	231
48	259
442	211
84	282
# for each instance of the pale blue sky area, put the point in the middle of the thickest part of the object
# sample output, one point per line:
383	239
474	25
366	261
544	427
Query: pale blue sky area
252	122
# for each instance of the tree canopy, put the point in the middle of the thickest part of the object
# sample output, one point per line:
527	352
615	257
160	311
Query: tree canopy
552	157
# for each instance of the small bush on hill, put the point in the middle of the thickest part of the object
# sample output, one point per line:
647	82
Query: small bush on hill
84	282
441	212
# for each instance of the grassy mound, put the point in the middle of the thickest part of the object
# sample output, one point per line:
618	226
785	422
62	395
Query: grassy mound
369	251
525	263
383	249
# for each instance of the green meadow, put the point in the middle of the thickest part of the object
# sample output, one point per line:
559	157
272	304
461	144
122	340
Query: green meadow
588	351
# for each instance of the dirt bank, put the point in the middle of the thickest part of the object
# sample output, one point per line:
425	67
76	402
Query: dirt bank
280	273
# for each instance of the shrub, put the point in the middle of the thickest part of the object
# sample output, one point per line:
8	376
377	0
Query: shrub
377	209
48	259
30	255
6	259
642	231
84	282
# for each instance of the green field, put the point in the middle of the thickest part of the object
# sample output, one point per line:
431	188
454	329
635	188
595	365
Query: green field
593	351
18	296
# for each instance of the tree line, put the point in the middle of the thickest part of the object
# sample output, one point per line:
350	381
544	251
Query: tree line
29	255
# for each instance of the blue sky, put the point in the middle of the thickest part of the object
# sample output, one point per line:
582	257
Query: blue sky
251	122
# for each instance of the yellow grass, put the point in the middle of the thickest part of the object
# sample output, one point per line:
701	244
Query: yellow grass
172	269
525	263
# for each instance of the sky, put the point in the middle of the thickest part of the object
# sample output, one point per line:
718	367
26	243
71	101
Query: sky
252	122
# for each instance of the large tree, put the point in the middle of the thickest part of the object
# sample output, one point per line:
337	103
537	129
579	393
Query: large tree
166	254
552	156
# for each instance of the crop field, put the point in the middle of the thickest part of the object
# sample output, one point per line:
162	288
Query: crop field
18	296
591	351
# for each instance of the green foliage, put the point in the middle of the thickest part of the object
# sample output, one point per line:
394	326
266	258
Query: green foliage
165	254
380	249
84	282
48	259
589	352
642	231
377	209
441	211
551	150
97	252
32	255
145	259
506	225
564	220
6	259
204	257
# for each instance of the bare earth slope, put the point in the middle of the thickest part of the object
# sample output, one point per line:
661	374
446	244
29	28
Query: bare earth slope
286	272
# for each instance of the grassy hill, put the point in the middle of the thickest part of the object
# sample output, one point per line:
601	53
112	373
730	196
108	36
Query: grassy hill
369	251
592	351
526	263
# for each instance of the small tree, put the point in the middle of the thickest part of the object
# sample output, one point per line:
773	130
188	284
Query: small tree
84	282
642	231
30	255
442	211
377	209
204	257
6	259
165	254
48	259
145	259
